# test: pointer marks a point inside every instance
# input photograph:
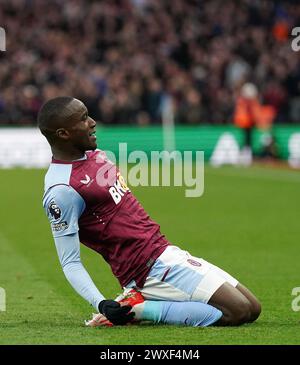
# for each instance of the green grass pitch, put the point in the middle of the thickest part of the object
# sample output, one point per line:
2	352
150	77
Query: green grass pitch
247	222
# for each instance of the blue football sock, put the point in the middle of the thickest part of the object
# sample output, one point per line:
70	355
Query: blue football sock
194	314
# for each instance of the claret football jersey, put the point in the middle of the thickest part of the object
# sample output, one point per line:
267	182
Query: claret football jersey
90	196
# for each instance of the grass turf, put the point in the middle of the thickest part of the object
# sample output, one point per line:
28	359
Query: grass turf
247	222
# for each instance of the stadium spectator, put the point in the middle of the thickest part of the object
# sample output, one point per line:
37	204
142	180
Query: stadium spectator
249	113
121	57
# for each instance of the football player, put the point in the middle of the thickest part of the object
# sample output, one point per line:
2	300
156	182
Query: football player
87	200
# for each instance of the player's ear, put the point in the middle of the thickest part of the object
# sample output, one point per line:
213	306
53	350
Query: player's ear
62	133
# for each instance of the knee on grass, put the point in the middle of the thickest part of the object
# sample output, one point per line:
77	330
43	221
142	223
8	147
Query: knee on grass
239	314
255	311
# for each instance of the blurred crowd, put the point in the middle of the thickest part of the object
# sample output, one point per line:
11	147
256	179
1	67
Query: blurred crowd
133	61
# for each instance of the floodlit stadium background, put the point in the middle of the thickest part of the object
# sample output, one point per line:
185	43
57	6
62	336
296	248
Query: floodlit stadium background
138	63
156	74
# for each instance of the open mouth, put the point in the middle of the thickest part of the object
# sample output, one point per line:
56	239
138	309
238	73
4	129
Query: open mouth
93	134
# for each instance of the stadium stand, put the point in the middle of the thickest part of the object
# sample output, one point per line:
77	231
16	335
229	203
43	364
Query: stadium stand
124	58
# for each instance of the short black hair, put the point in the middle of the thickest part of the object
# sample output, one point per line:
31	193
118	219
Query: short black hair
51	112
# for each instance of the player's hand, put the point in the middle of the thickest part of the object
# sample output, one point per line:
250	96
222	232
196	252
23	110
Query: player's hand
115	313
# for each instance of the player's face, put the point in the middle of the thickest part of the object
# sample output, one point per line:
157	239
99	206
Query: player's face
80	127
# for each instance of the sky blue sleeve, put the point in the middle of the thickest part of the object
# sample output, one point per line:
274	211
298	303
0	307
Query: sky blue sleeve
68	249
63	206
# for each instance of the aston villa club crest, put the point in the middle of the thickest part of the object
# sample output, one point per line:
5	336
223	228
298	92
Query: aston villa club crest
193	262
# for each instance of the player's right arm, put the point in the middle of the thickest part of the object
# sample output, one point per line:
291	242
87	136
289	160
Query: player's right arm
64	207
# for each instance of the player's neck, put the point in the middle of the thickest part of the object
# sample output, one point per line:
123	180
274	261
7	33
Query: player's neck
63	155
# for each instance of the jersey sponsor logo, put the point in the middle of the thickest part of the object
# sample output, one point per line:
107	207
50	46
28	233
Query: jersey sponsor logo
57	227
193	262
86	181
54	210
118	190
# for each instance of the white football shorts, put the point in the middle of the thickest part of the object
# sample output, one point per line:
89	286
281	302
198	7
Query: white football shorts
178	276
